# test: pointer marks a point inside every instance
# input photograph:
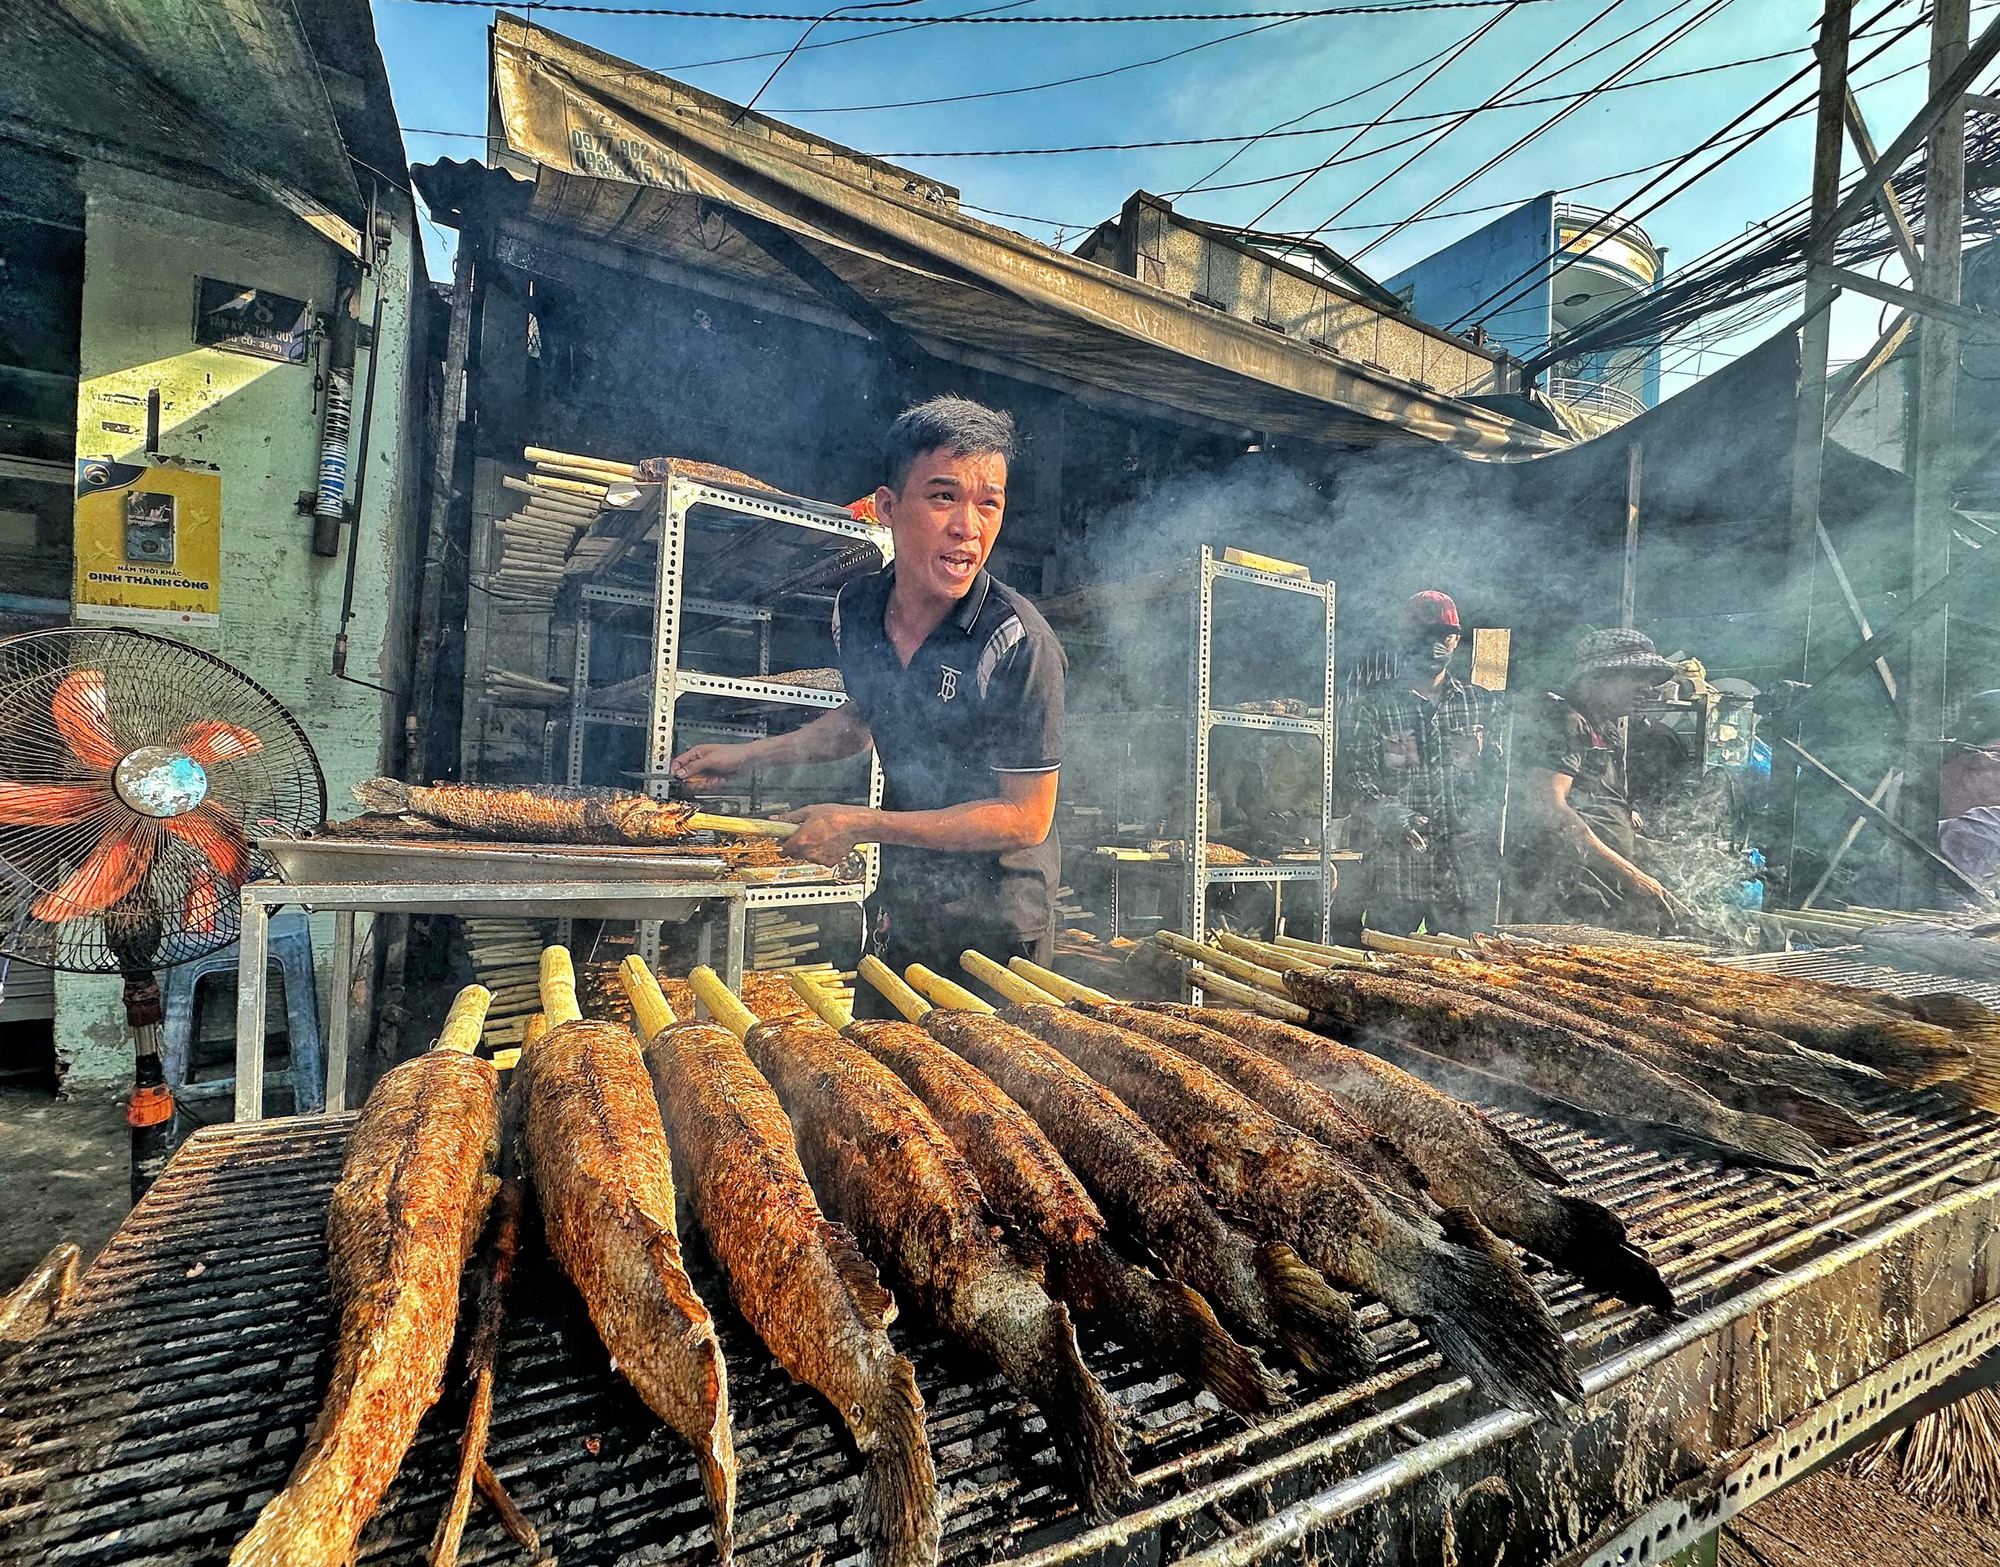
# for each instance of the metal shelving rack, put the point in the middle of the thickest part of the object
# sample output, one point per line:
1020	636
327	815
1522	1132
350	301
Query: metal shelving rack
1202	717
828	544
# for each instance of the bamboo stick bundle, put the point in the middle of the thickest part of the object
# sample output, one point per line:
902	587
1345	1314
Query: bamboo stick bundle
555	500
547	455
1949	1460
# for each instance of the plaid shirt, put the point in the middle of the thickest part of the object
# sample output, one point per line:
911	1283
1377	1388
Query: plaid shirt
1403	756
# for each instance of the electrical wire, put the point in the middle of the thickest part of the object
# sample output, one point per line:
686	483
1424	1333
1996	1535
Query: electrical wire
1651	52
1493	101
1282	127
1396	8
1426	118
1532	276
1428	77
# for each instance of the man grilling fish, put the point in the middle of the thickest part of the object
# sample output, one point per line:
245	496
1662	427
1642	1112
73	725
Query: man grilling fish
957	682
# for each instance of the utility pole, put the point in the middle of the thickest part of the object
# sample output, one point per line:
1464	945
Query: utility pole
1815	336
1935	464
1932	301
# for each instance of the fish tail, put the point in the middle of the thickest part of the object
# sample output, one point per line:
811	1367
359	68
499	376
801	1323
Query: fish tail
716	1462
383	796
1774	1143
1313	1320
898	1514
1480	1311
1166	1319
1820	1119
1050	1370
1589	1240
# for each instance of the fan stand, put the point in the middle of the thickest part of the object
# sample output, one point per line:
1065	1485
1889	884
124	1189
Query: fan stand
150	1110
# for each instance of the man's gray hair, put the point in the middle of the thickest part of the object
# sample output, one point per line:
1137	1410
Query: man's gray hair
954	424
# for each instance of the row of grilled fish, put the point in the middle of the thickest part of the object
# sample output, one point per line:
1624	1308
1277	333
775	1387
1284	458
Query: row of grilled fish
1166	1170
1761	1068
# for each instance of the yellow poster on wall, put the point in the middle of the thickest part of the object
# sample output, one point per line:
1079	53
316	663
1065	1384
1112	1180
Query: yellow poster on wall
148	544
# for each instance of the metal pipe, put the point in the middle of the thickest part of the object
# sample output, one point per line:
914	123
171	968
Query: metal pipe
354	499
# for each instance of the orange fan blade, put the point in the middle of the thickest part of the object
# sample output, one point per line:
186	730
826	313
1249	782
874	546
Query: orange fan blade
84	719
213	741
111	870
215	833
203	905
49	805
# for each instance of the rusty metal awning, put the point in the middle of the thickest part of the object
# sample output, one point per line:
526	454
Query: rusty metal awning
155	1417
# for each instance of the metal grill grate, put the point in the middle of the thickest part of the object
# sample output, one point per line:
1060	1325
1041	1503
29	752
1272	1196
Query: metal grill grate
170	1400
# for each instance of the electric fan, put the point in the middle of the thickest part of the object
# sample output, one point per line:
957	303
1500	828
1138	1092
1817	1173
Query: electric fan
135	773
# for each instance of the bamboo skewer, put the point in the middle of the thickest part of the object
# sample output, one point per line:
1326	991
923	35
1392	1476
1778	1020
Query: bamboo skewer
1011	986
941	992
830	1011
543	454
1061	986
893	990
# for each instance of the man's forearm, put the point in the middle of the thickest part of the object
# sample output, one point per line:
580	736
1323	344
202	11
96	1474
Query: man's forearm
977	827
828	738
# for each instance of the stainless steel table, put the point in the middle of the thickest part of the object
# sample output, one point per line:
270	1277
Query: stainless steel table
669	899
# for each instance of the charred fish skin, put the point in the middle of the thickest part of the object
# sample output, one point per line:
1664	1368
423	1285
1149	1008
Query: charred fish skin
799	1279
1826	1123
543	815
1743	1051
1303	1105
1449	1274
412	1198
885	1169
1915	1053
1026	1182
1488	1035
1267	1290
1469	1162
598	1156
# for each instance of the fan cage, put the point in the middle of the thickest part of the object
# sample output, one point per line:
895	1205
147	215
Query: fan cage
156	689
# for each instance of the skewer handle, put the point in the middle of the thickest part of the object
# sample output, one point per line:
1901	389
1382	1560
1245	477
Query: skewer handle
1005	981
723	1003
1320	949
1058	984
742	826
1244	996
559	987
898	994
830	1011
1222	962
649	1002
1261	952
466	1018
939	991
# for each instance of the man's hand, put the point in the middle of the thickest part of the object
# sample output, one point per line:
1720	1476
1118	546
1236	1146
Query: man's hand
1650	888
828	833
1413	833
710	766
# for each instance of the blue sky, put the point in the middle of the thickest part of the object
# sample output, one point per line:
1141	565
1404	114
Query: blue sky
1242	86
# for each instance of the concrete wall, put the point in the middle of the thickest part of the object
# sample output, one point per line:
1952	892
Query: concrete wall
146	242
1458	279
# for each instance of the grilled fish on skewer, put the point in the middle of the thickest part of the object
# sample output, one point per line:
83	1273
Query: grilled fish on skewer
1748	1052
1820	1119
1267	1290
1910	1052
1467	1160
555	813
1449	1274
883	1168
798	1279
598	1157
1027	1184
411	1201
1491	1037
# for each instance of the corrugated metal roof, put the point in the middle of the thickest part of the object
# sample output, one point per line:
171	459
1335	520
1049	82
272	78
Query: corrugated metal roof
633	158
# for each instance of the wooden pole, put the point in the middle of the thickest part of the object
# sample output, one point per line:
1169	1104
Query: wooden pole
1628	597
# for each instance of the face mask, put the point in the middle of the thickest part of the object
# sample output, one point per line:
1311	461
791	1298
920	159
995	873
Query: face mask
1434	651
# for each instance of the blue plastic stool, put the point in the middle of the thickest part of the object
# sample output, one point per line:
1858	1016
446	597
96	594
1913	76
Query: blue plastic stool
292	956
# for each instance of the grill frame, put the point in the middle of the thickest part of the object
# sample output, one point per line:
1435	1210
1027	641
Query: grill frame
168	1401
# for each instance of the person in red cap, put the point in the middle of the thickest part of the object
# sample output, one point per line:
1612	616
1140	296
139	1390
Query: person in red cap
1418	750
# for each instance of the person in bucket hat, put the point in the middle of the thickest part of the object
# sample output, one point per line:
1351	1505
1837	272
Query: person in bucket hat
1576	858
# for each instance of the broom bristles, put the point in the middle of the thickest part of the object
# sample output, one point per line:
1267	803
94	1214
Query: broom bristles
1949	1460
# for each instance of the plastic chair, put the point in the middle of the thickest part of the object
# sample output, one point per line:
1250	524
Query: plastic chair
292	955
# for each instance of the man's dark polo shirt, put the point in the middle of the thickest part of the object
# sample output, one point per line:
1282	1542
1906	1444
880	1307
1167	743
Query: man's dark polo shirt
982	696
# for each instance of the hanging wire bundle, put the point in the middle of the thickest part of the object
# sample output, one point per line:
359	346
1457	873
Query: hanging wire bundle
1771	261
1949	1461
